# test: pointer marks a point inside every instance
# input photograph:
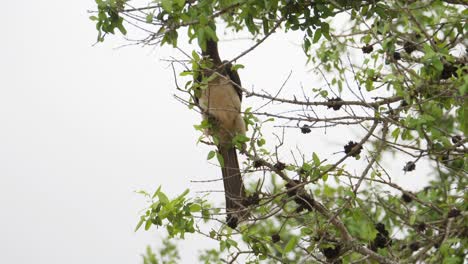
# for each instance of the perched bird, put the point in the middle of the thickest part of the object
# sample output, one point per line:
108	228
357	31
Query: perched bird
221	104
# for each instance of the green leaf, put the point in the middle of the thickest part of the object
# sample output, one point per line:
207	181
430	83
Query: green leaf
180	3
210	33
240	138
163	198
220	159
167	5
317	35
156	192
316	159
148	225
201	38
326	31
149	18
324	93
186	73
122	29
236	67
395	134
181	196
231	242
212	233
195	208
261	142
325	177
195	56
211	155
412	219
143	192
142	220
290	245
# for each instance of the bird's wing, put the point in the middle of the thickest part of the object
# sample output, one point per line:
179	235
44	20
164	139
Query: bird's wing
234	76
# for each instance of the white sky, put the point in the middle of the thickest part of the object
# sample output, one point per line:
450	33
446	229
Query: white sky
82	127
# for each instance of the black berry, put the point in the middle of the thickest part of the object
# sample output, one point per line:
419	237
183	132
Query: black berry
406	198
331	252
279	166
335	103
421	227
380	227
253	199
414	246
257	164
409	47
351	148
396	55
454	212
456	139
290	185
232	221
410	166
305	129
448	71
380	241
367	49
275	238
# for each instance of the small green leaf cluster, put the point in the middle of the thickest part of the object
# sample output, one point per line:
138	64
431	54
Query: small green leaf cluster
108	17
176	214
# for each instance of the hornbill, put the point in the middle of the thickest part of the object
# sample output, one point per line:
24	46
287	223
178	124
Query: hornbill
221	104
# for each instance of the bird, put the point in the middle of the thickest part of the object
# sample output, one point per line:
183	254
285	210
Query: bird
221	102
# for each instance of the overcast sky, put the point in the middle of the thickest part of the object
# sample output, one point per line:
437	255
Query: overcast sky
83	127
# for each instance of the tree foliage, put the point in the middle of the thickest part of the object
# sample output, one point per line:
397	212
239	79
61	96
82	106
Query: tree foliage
396	70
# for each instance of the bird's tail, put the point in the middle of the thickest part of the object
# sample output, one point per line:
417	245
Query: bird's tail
233	186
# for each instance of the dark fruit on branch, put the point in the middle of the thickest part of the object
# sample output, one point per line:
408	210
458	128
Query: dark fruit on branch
448	71
381	228
409	47
456	139
257	164
351	149
333	104
454	212
396	55
305	129
289	186
380	241
279	166
253	199
275	238
414	246
304	200
410	166
232	221
406	198
331	252
367	49
421	227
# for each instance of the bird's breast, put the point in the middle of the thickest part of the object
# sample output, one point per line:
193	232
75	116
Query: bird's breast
221	101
